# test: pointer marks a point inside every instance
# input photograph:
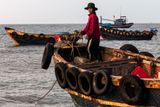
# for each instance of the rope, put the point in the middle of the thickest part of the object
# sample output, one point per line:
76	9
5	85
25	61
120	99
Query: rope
71	44
54	83
1	37
76	47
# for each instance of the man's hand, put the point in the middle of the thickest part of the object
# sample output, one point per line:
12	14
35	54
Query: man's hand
82	33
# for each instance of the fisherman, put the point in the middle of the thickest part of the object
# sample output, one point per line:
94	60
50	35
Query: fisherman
93	33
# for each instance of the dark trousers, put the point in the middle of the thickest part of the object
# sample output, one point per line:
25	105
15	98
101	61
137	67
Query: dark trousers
94	49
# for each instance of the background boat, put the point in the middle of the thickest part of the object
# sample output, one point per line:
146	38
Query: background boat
22	38
115	34
117	23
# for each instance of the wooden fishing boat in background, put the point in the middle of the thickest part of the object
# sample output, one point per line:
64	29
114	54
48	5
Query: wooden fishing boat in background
22	38
109	82
115	34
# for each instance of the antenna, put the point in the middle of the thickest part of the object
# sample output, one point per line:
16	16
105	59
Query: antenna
120	11
101	19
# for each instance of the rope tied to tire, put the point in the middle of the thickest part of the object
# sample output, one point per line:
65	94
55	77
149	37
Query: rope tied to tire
71	44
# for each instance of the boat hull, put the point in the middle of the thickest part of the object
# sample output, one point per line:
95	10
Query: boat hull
31	40
112	96
128	25
109	36
22	38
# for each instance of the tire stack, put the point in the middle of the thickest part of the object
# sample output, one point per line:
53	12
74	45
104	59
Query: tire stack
131	88
85	82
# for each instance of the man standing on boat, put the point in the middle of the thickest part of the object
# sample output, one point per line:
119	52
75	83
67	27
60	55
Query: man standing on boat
93	33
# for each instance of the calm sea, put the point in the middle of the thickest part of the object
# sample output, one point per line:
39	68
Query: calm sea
22	81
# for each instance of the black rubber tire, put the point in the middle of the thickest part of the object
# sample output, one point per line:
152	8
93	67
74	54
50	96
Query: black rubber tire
132	89
152	33
51	40
41	36
85	82
124	33
138	33
118	32
105	29
130	48
72	78
101	82
133	34
15	35
60	69
32	37
144	33
158	58
25	36
111	31
28	38
146	54
47	55
115	32
121	33
130	32
127	33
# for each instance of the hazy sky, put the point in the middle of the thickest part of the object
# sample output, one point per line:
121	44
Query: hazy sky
72	11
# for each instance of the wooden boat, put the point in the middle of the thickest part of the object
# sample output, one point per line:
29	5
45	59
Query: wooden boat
105	83
115	34
22	38
118	23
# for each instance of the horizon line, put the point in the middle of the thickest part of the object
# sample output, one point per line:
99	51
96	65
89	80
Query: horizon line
64	23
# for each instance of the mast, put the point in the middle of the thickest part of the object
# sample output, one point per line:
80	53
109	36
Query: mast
120	11
101	19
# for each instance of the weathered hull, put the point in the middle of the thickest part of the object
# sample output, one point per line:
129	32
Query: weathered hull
112	98
30	40
22	38
116	34
109	36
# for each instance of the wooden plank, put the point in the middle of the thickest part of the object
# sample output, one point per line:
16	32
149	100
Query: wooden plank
149	83
107	63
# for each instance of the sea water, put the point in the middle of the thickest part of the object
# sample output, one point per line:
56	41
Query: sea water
22	81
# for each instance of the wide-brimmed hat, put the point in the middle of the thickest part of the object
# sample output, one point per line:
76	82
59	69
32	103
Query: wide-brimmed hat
91	5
